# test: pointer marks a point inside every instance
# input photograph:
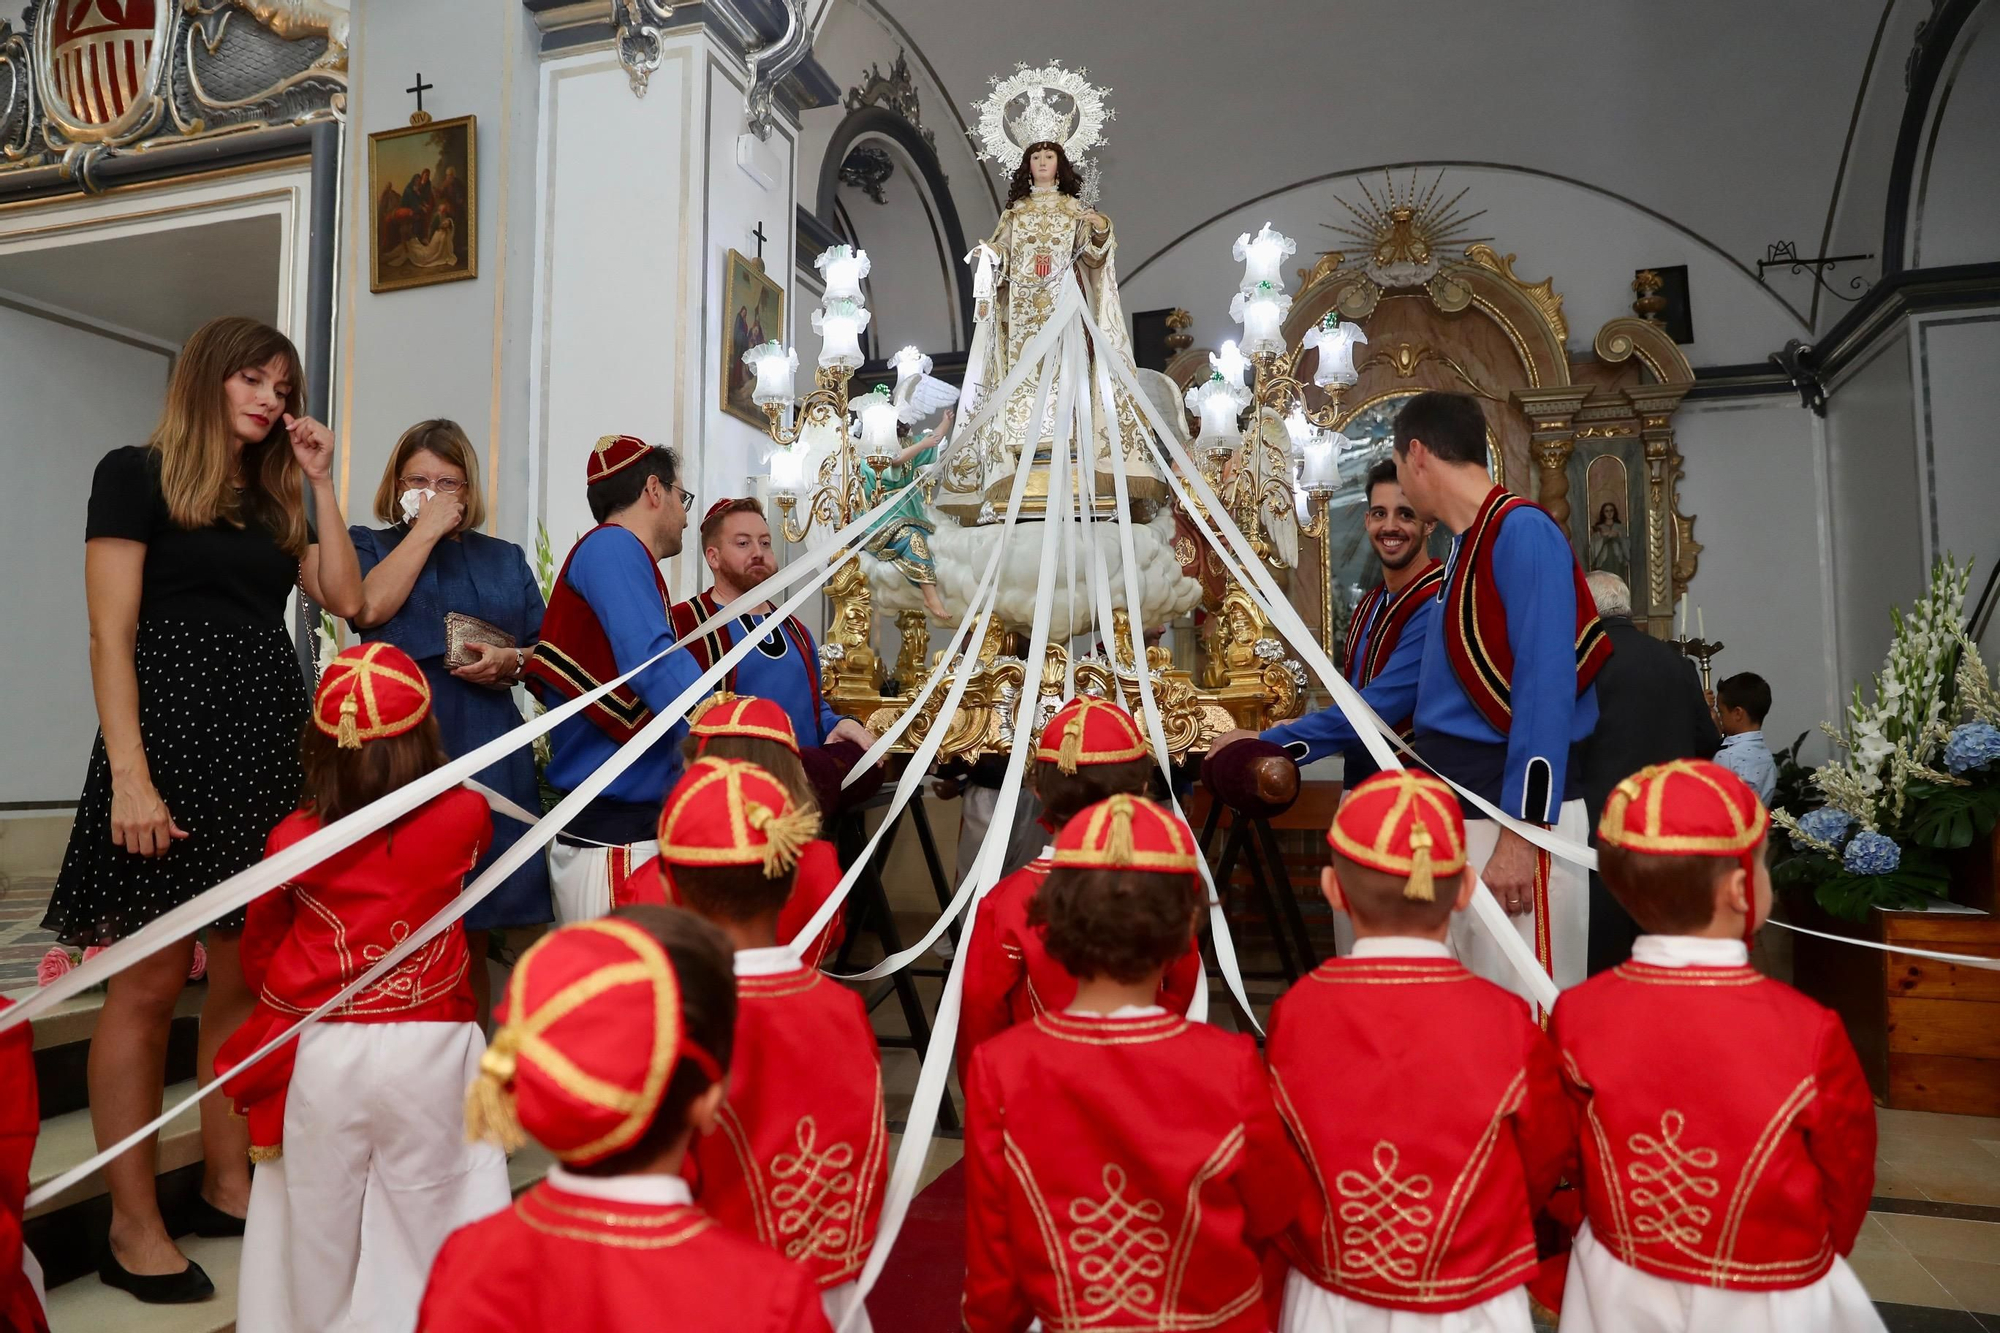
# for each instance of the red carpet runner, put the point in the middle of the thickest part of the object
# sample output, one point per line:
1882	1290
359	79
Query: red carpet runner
919	1289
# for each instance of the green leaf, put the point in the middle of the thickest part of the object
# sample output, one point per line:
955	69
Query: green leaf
1952	817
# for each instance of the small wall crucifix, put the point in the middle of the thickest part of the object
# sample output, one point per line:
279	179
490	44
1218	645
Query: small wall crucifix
420	116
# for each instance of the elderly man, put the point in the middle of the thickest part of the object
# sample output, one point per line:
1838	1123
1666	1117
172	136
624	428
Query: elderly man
736	542
1650	709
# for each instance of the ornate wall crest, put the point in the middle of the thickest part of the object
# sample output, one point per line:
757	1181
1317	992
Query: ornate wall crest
1404	236
91	78
896	92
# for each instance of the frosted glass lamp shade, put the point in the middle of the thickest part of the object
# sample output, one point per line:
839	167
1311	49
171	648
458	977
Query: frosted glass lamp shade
878	426
1299	429
1335	340
1322	464
1263	255
773	364
1230	364
1219	404
1261	311
787	471
839	324
909	364
843	267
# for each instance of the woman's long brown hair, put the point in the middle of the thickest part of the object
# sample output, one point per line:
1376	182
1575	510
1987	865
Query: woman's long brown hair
193	437
1068	180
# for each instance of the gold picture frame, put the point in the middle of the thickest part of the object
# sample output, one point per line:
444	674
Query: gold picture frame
423	192
753	312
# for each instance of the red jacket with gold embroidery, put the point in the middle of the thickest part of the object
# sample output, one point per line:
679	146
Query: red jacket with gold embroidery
1121	1173
1728	1133
801	1156
1431	1115
20	1122
563	1261
306	939
817	877
1010	978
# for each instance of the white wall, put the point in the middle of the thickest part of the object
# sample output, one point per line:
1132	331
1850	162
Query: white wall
457	349
1955	356
1876	507
1957	190
72	395
1591	243
1754	471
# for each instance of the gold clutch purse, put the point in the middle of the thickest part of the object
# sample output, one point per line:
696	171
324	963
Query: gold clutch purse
461	631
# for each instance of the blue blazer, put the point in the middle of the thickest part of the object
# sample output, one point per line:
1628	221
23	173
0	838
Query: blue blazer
483	576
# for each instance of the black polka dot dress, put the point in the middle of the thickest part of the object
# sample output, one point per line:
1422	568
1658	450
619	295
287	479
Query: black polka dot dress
222	702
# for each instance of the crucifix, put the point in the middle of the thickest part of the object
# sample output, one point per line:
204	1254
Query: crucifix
761	238
420	116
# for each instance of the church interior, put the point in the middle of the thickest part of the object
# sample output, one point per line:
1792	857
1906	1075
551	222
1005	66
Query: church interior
1719	277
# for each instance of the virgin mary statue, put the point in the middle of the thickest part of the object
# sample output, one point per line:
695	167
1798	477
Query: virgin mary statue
1050	240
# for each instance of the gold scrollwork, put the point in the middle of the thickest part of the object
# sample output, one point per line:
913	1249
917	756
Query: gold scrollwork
1541	294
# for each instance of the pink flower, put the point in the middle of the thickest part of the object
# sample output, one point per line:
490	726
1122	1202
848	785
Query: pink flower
54	964
93	951
199	968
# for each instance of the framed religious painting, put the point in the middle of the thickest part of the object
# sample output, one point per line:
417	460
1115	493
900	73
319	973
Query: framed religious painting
753	313
424	181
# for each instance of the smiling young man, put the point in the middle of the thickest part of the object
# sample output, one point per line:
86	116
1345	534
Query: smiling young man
784	667
1384	646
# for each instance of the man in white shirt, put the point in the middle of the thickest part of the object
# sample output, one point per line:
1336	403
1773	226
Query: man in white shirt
1741	703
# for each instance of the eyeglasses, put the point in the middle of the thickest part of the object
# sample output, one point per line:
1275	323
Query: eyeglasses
442	485
687	498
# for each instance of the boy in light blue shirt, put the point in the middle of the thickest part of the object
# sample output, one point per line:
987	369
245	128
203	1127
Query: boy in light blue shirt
1741	703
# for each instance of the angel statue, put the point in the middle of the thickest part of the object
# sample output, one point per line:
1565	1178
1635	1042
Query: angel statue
1040	122
902	537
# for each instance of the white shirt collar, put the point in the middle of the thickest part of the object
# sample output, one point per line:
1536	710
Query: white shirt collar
1122	1011
1744	738
1689	951
766	962
1399	946
653	1190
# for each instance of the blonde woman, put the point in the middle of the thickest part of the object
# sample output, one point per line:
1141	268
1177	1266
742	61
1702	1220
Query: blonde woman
192	545
427	563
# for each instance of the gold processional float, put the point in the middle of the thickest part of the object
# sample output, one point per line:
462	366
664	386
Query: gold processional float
1271	442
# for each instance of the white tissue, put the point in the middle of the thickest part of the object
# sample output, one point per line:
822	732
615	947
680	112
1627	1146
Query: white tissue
411	498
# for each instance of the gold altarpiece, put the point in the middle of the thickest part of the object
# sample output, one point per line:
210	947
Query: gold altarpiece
1575	435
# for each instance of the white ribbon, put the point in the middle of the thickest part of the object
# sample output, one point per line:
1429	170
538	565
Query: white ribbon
1961	959
529	844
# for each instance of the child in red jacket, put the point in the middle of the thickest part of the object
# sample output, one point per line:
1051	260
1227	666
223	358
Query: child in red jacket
1124	1167
1426	1100
614	1040
1728	1135
365	1103
20	1122
741	726
1089	749
802	1156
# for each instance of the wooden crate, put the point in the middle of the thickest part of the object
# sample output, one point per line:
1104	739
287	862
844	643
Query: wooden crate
1927	1031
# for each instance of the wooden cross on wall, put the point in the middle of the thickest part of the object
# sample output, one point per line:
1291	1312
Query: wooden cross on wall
420	116
761	238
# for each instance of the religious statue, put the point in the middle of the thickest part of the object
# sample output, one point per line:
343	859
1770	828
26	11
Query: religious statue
1609	549
902	536
1050	238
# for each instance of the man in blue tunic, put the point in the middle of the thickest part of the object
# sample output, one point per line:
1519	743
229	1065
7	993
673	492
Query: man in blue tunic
784	666
1503	687
607	614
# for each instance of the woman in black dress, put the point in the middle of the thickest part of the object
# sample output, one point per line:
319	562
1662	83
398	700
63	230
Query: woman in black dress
192	547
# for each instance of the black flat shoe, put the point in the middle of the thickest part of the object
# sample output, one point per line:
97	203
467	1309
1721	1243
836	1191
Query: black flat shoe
182	1288
210	1222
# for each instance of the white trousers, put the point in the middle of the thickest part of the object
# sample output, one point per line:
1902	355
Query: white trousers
1311	1308
581	878
376	1173
836	1301
1025	839
1602	1295
1567	943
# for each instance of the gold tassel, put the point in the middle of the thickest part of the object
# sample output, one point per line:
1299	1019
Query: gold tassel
785	836
1072	742
270	1154
348	734
1118	844
489	1106
1419	889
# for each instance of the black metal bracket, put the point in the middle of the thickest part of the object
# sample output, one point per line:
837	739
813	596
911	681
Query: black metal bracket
1785	255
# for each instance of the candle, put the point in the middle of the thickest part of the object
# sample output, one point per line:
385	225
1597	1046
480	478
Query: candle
1700	626
1684	617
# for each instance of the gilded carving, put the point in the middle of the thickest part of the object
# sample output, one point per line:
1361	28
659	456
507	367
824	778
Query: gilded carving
1542	294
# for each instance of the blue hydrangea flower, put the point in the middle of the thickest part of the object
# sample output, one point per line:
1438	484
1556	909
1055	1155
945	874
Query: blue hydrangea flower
1827	825
1871	854
1972	745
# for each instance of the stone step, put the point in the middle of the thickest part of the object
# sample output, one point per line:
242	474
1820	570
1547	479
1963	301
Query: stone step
88	1306
67	1139
62	1047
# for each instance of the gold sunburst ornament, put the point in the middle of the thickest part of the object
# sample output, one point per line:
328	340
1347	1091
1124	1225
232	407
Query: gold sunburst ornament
1407	230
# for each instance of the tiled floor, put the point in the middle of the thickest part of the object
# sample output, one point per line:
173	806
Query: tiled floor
23	900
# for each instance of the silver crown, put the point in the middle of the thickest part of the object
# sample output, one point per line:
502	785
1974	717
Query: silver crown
1057	106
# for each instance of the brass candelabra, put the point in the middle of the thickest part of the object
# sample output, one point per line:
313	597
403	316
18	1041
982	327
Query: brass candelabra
839	491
